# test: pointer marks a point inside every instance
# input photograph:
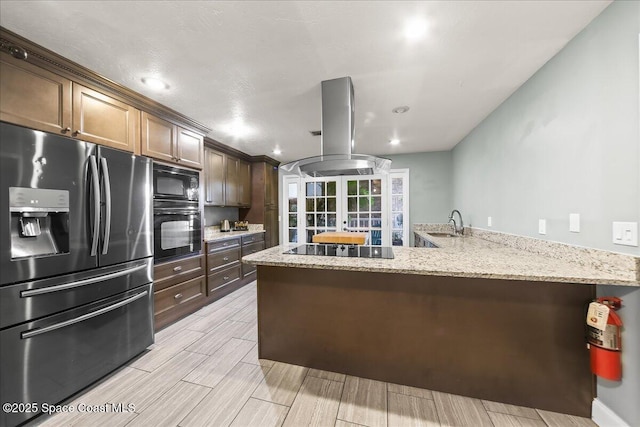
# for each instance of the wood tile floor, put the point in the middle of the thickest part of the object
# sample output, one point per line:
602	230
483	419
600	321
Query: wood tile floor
204	371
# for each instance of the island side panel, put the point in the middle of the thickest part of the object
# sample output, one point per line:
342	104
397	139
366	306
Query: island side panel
515	342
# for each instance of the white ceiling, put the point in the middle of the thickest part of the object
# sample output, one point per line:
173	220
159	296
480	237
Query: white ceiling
261	63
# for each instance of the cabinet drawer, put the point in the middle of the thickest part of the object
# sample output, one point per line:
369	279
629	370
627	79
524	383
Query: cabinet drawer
251	238
174	272
183	293
218	260
221	245
223	278
252	248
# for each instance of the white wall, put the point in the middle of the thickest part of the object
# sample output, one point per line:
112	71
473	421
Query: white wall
568	141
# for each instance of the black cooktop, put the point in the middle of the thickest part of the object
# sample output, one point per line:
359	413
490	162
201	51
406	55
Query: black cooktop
343	250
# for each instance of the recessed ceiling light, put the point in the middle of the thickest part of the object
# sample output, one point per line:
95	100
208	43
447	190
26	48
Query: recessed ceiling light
155	84
277	151
400	110
394	141
415	29
238	129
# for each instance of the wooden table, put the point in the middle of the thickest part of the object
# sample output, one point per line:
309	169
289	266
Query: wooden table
340	237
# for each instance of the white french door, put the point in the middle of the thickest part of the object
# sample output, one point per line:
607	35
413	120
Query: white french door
365	209
316	205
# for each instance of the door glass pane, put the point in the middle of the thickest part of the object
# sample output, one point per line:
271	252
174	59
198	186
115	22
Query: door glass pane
376	186
396	186
352	188
331	220
363	221
310	189
310	234
320	189
331	188
311	205
352	204
293	221
376	204
396	220
396	203
321	204
331	204
293	236
376	220
310	222
363	187
396	238
363	203
352	221
321	220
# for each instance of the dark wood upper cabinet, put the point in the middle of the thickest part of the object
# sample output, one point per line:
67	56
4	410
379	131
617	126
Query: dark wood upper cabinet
166	141
227	180
105	120
158	138
34	97
231	181
244	183
189	148
48	92
213	177
37	98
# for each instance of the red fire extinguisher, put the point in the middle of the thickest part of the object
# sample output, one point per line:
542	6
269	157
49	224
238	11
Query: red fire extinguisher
604	339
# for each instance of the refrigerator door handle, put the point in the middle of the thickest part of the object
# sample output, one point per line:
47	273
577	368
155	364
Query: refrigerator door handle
34	332
78	283
96	204
107	201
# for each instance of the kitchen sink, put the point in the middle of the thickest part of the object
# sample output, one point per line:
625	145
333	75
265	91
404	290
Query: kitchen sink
443	235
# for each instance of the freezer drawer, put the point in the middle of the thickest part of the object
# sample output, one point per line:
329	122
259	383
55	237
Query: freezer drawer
35	299
48	360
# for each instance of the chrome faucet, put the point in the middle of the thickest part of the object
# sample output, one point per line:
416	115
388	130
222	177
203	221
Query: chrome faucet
456	229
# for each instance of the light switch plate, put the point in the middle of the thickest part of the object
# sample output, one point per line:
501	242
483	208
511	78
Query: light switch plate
625	233
574	223
489	222
542	226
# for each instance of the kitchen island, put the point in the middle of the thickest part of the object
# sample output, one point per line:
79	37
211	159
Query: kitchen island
472	317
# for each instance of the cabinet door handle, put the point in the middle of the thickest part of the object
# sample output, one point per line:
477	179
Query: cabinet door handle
177	296
225	258
178	268
76	133
226	277
65	130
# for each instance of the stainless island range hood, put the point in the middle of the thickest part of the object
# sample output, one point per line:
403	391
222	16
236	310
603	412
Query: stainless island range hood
336	157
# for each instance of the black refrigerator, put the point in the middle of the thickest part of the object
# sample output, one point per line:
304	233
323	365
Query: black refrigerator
76	266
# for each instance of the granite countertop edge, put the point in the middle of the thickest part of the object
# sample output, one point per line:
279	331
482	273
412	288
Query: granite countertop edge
228	234
478	256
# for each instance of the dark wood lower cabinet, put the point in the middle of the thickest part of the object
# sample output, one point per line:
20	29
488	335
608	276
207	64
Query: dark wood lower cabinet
179	289
182	287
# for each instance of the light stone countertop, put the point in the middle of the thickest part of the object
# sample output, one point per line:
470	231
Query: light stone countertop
212	234
466	256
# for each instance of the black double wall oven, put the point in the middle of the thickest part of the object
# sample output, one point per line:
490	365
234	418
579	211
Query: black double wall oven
76	266
177	221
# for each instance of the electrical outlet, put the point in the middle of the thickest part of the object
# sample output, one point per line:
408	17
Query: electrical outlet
574	223
489	223
625	233
542	226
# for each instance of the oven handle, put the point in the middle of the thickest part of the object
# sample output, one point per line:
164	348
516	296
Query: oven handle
174	212
85	282
33	333
107	201
96	204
